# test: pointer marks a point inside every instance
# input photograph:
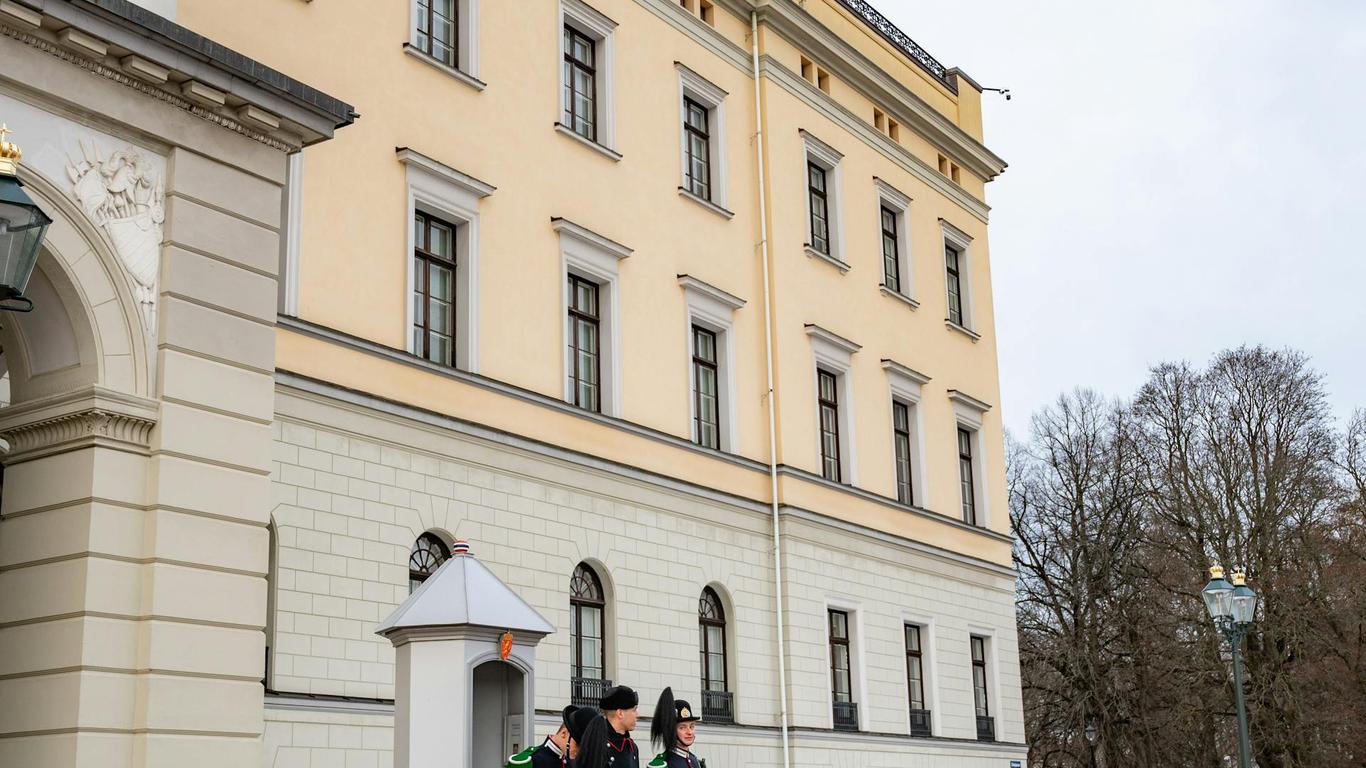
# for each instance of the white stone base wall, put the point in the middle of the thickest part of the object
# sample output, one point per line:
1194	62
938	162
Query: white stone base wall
355	482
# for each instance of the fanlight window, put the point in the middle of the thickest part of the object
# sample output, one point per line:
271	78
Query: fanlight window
429	552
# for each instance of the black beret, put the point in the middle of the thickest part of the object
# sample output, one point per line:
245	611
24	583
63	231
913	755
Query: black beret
618	697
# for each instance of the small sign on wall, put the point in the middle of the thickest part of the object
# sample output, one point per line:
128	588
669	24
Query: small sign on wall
1016	764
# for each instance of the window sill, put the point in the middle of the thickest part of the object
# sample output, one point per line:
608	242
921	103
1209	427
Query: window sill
827	258
445	68
899	296
971	334
603	150
705	203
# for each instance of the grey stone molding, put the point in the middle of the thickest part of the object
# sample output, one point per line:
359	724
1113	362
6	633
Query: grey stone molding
87	417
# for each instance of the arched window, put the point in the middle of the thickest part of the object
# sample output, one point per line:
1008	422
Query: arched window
429	552
587	645
711	622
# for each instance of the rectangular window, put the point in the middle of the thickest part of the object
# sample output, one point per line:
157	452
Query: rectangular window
952	266
434	268
437	22
585	352
828	397
841	673
706	400
915	682
820	213
697	168
891	259
580	83
901	435
965	479
979	676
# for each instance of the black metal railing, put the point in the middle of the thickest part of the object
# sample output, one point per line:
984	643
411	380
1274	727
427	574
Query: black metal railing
717	706
846	716
893	34
920	722
986	728
587	691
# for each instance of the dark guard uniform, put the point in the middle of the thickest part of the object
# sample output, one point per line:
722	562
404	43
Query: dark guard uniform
547	755
669	713
622	751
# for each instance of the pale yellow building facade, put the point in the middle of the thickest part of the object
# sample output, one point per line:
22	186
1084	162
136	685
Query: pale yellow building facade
493	300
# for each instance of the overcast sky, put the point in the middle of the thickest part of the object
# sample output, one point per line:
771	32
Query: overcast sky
1184	177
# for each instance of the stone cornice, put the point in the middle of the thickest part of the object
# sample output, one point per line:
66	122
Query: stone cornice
124	43
844	60
92	416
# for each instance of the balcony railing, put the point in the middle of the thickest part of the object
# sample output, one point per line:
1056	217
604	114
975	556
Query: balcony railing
717	706
986	728
920	722
846	716
587	691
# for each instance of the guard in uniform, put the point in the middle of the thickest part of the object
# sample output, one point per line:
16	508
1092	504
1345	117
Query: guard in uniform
618	705
553	752
673	729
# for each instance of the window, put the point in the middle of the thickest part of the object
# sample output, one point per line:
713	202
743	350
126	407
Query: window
822	202
969	412
819	205
891	257
711	618
586	75
905	384
592	374
434	289
956	279
697	177
706	391
436	32
585	372
711	362
443	240
703	120
966	483
580	84
841	672
893	222
834	404
952	265
428	553
986	730
915	682
587	643
828	396
901	431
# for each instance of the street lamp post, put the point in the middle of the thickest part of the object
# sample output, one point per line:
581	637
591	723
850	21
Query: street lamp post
1092	737
1233	607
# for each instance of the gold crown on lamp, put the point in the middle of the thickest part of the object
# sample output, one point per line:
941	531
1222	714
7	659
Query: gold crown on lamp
9	153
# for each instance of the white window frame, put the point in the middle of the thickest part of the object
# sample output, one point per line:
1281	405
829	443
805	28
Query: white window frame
905	385
291	242
828	158
834	353
858	683
929	653
963	242
992	655
900	204
713	309
593	24
587	254
969	414
466	38
452	196
697	88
